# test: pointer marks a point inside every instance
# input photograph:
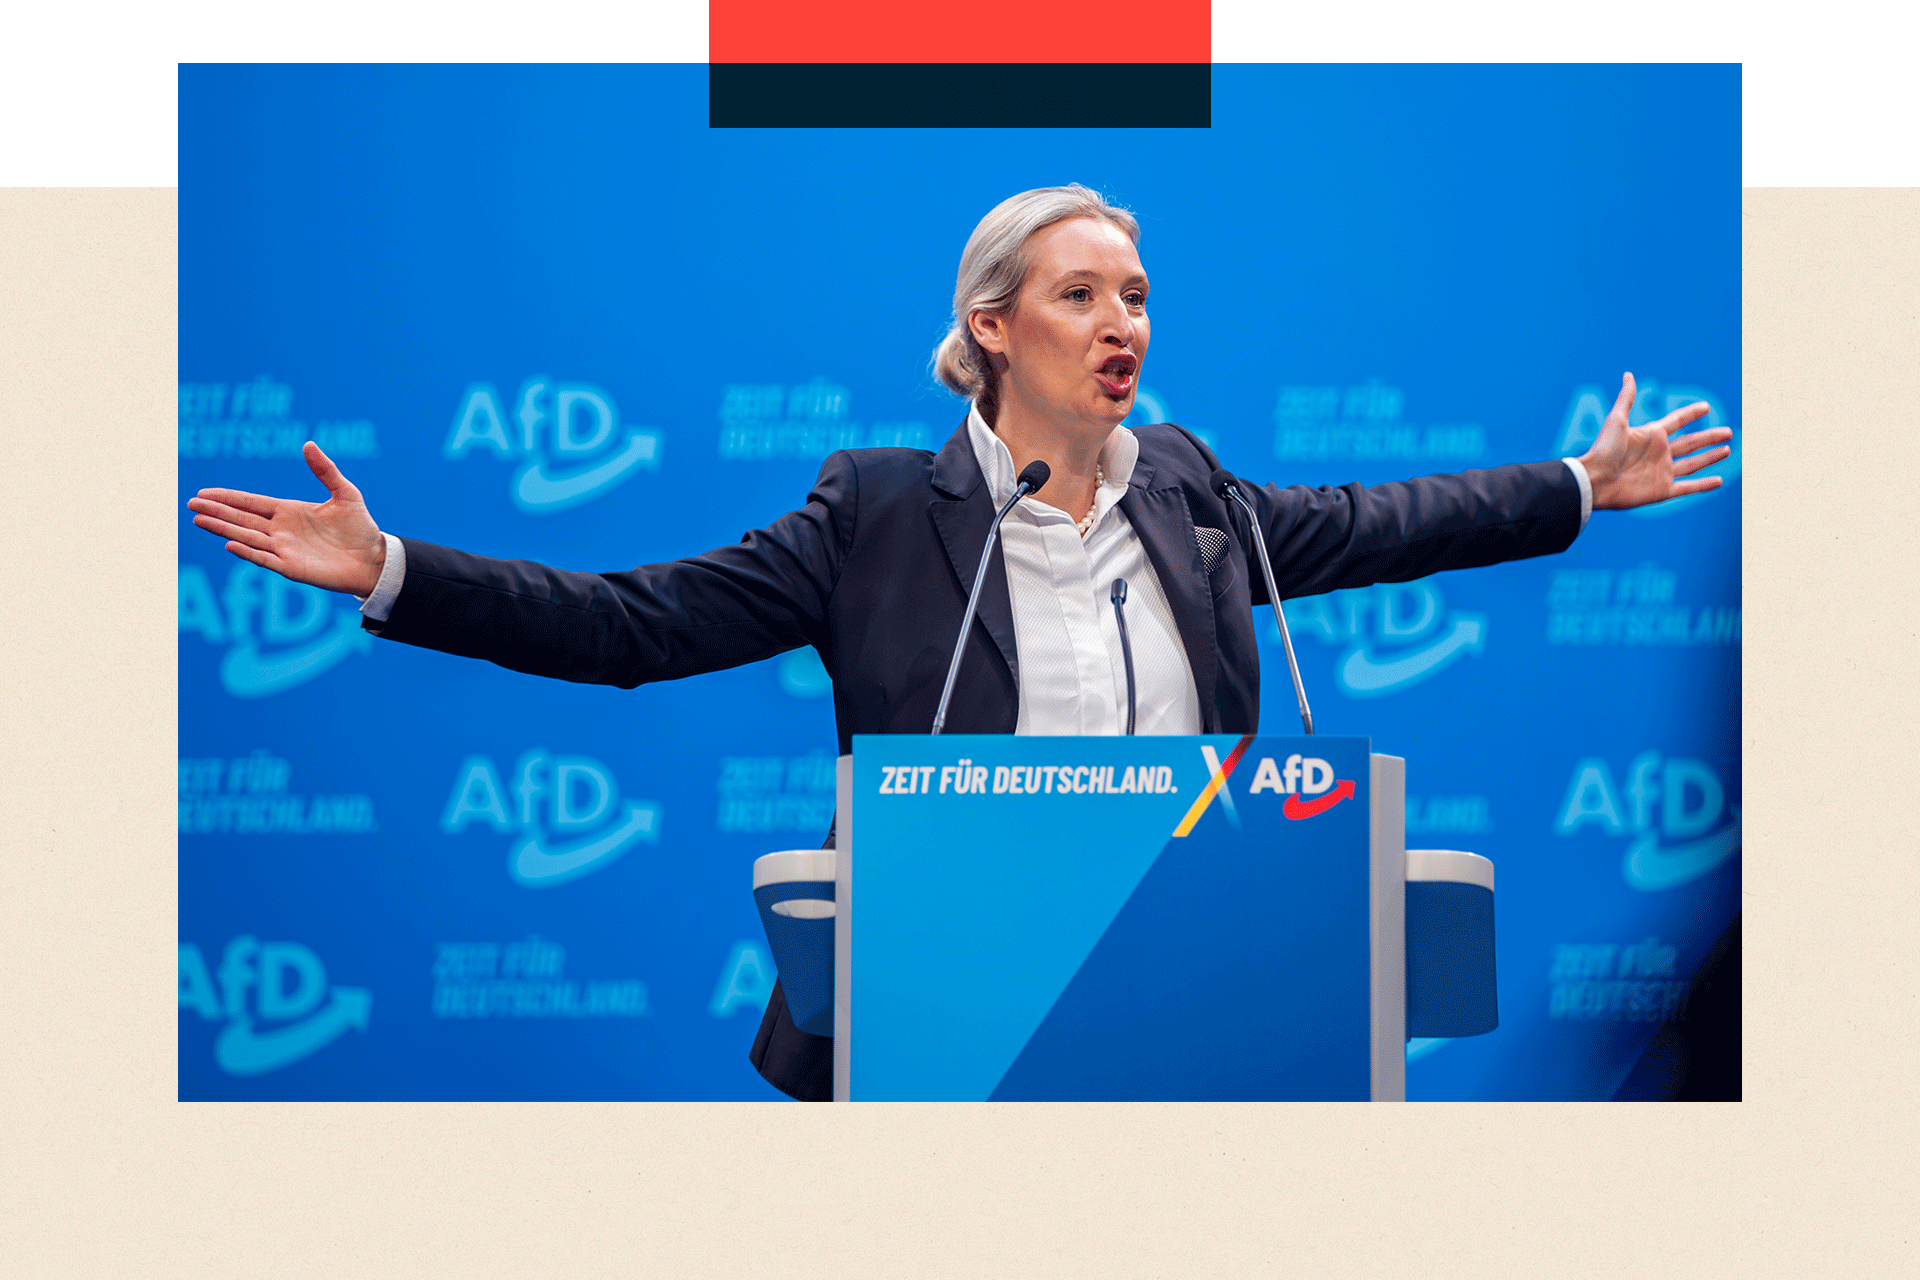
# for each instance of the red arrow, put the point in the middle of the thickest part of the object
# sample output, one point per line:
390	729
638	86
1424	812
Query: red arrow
1296	808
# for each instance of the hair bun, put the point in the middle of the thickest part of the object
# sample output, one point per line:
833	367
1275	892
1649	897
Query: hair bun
993	266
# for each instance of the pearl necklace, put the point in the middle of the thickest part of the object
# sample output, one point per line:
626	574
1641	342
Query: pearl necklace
1085	523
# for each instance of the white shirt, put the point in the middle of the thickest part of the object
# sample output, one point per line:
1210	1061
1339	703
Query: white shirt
1073	678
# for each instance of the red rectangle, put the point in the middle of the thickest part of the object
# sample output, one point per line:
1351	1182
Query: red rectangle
978	31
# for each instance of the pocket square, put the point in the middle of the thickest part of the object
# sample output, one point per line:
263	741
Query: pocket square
1213	546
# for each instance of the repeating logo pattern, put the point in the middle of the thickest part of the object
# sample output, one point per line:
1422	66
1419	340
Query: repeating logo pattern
567	437
269	995
1609	982
564	812
524	979
1392	636
1365	423
1689	841
247	795
1632	607
255	420
1448	815
776	793
277	634
768	422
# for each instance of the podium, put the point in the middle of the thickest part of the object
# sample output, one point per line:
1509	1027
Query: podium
1215	917
1137	918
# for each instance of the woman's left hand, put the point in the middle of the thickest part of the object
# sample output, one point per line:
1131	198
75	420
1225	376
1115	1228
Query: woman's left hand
1635	466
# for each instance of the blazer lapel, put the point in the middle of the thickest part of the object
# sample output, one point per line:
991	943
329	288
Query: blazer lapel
962	510
1164	524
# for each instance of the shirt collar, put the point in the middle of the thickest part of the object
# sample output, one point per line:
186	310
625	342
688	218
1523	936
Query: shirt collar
1117	458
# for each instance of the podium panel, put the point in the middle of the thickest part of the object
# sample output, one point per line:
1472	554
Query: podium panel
1024	918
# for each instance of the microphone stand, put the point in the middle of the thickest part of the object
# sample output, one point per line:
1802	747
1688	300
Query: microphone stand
1227	487
1031	481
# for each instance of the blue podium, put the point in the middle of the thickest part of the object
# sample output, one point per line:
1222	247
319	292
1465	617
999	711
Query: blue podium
1101	918
1215	917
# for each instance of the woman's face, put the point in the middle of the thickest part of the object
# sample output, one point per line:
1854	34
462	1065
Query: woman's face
1071	348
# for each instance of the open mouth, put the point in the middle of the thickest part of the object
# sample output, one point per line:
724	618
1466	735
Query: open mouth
1116	375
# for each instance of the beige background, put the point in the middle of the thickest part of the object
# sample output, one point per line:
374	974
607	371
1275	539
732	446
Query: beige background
103	1173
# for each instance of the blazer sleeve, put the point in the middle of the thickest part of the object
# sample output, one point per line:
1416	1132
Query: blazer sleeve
764	595
1328	538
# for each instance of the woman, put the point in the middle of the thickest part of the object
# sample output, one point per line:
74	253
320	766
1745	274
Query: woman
1049	333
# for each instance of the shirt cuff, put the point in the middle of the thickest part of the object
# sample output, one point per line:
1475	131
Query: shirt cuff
1579	470
378	605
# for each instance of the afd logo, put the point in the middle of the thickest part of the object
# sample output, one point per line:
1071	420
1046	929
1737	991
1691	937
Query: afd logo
305	635
567	436
288	984
574	797
1689	841
1587	412
1393	635
1298	778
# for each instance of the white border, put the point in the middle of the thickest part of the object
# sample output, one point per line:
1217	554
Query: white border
88	89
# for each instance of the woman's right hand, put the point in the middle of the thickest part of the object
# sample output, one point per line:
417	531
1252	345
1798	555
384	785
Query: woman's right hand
333	544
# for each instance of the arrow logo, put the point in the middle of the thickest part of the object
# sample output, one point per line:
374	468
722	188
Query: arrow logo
1649	868
1296	808
1362	676
535	490
245	674
242	1053
532	864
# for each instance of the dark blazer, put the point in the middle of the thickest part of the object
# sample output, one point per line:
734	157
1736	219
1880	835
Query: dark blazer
874	572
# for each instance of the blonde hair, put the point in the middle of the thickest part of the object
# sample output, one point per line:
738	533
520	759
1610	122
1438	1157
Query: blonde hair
994	265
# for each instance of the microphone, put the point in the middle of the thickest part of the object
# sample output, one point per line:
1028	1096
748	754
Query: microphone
1228	489
1126	650
1033	479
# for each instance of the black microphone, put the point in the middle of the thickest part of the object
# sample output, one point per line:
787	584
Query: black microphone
1126	650
1228	489
1032	480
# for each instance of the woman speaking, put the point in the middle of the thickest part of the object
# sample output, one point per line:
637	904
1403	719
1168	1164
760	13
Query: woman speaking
1049	334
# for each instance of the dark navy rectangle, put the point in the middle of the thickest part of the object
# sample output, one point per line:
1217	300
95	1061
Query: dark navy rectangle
943	95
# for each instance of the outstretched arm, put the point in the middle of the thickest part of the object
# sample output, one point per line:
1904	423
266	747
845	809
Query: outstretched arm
1635	466
333	544
1324	539
761	596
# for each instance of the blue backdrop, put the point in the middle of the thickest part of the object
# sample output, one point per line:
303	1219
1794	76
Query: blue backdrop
544	312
